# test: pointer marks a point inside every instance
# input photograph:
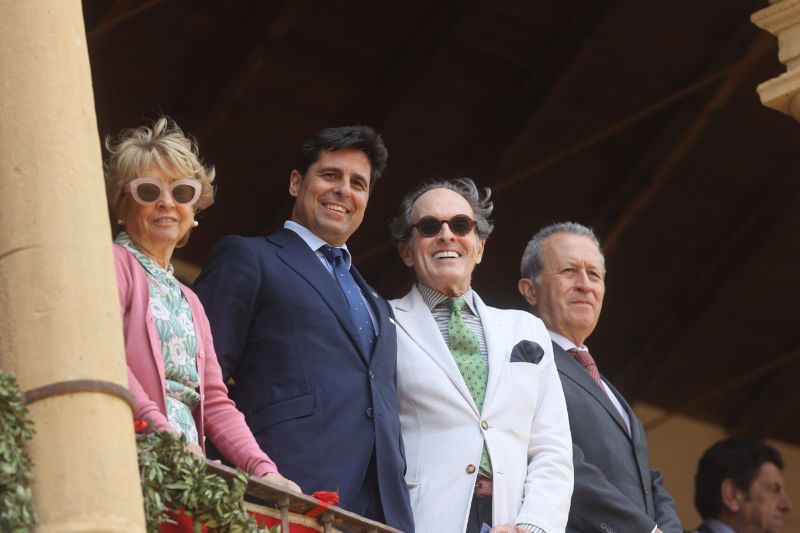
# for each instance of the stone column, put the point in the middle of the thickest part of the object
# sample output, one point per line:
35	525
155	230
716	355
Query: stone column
782	19
60	329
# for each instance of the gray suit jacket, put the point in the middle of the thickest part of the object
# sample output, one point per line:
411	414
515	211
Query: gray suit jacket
615	489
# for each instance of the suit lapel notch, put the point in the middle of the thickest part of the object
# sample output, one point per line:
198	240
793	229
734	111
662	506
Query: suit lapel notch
574	371
494	334
412	314
303	260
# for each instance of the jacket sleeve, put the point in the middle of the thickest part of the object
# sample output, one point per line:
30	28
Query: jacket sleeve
549	482
666	515
228	287
224	423
598	505
144	407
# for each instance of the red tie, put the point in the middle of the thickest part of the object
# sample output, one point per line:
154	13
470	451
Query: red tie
587	362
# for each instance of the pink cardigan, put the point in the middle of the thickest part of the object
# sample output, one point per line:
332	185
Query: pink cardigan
217	415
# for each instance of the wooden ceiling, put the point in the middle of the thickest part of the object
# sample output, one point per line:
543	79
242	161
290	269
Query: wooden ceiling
638	118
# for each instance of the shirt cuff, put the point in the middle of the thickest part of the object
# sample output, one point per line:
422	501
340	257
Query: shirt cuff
531	527
654	529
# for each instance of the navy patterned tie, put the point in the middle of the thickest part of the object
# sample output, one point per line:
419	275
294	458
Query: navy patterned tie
356	303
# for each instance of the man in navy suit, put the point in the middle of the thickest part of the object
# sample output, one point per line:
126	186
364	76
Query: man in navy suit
308	348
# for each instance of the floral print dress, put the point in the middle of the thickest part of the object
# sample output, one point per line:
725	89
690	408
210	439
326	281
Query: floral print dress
172	317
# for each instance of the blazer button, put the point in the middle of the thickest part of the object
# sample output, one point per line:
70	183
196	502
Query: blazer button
470	469
485	424
603	526
371	375
201	354
370	412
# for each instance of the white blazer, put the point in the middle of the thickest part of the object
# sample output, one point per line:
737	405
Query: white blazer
524	423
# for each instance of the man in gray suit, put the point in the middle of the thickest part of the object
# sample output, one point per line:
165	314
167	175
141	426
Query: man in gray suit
616	491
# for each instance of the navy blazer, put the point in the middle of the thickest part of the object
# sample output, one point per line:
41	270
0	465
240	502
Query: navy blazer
285	337
616	491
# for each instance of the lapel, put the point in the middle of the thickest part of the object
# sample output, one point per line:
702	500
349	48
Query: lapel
152	336
380	309
634	434
142	294
414	317
496	335
569	367
200	346
299	257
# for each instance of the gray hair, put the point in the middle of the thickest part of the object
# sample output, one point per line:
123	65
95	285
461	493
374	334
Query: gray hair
531	264
481	205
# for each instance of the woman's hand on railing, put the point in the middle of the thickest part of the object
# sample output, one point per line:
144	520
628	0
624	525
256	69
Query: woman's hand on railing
288	484
195	449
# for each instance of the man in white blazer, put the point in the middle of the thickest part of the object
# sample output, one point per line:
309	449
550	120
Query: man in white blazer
482	411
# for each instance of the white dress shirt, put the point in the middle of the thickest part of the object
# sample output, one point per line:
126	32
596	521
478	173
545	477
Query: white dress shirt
568	345
315	243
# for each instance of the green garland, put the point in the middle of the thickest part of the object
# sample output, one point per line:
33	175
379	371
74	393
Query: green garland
171	477
174	478
16	506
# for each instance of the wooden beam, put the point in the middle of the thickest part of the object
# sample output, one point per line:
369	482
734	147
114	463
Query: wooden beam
653	151
238	68
119	12
702	399
389	86
759	48
540	166
515	179
771	407
503	139
664	347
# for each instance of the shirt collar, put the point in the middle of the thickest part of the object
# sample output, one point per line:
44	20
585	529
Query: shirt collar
314	241
718	527
145	260
433	298
565	343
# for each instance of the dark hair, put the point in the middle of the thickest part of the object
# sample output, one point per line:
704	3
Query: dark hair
400	227
738	459
361	138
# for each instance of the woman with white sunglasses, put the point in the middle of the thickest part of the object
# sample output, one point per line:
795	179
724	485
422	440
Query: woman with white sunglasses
156	185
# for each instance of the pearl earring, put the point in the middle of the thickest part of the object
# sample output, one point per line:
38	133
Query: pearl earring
195	224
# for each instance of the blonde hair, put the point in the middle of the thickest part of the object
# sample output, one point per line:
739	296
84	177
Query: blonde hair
164	145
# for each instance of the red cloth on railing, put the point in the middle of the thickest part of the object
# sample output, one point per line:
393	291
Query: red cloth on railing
326	499
269	521
184	522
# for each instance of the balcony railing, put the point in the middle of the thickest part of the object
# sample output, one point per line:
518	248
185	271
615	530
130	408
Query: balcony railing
285	502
